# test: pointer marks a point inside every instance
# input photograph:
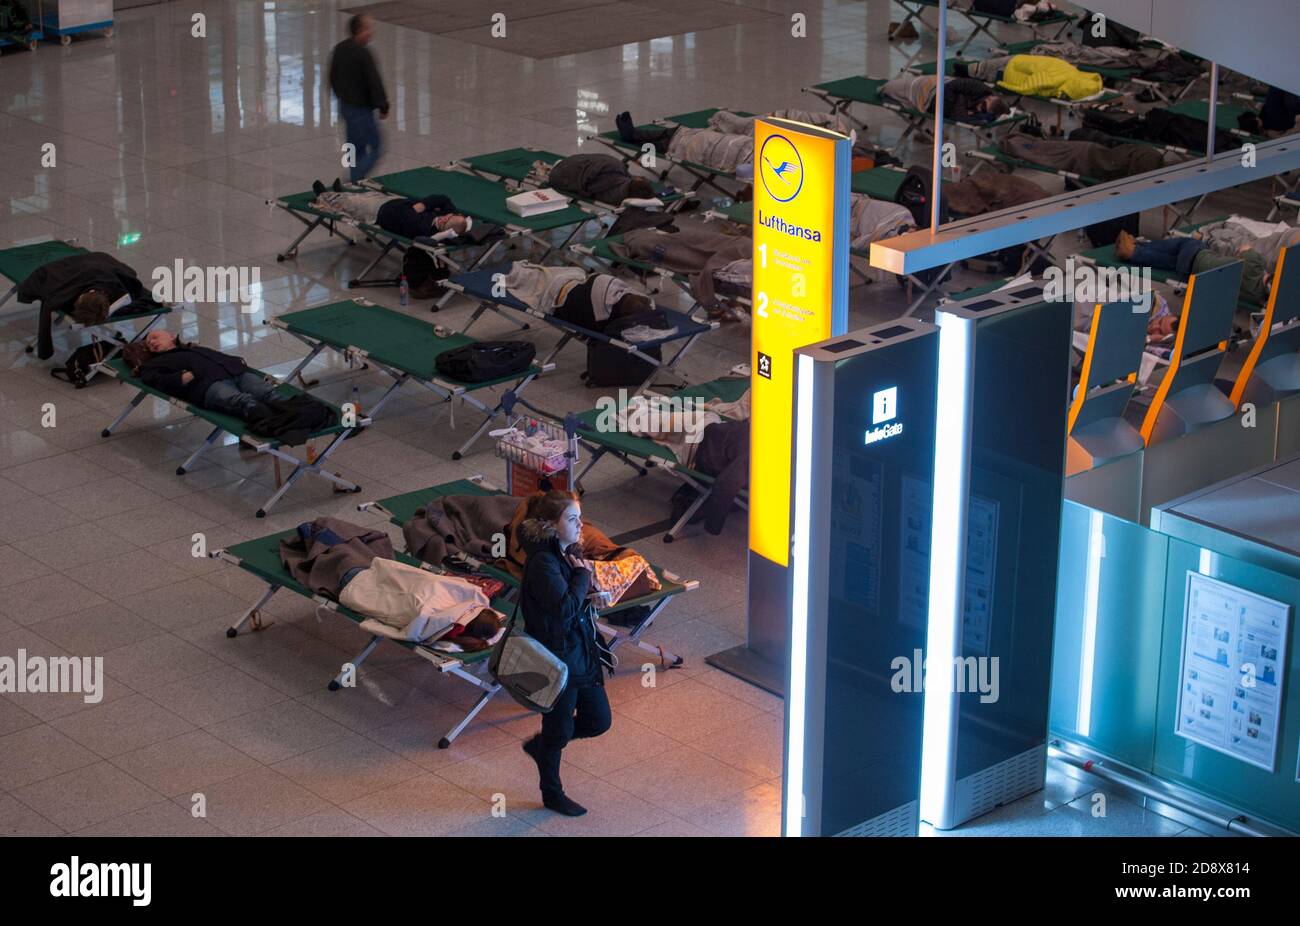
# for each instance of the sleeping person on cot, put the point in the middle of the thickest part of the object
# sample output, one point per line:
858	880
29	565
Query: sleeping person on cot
434	217
727	144
570	293
199	375
89	288
1257	245
964	98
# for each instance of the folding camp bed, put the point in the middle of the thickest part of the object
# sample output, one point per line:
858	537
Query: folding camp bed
1115	75
601	250
982	22
703	174
1287	200
401	508
514	166
236	427
485	200
18	263
1062	104
482	285
403	347
302	206
640	453
261	558
841	94
1105	257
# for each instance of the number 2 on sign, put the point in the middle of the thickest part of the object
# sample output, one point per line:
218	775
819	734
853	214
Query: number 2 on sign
760	300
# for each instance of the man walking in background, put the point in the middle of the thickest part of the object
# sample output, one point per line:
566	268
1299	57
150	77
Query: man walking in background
355	80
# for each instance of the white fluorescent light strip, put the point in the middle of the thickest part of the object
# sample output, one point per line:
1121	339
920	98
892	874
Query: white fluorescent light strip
947	563
797	697
1088	647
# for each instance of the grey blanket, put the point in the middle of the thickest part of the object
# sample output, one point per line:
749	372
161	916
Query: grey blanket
459	524
1088	159
693	251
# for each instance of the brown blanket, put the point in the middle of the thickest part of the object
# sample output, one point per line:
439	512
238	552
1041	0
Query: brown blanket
321	567
469	523
989	191
693	251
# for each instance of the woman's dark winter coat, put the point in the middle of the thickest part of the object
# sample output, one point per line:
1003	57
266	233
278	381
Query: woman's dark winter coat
554	602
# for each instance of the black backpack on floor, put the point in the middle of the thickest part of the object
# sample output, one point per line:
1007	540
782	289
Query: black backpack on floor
485	360
609	366
424	275
77	368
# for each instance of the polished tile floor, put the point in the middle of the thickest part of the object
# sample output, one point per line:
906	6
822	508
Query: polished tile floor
168	146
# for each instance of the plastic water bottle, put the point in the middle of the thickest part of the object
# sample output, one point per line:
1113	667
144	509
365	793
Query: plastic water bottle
404	288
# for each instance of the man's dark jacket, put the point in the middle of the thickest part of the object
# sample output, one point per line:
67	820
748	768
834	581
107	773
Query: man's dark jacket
354	77
592	176
164	371
58	284
399	215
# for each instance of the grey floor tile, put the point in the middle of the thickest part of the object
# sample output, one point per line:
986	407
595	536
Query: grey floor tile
124	725
347	768
86	796
38	753
214	696
185	764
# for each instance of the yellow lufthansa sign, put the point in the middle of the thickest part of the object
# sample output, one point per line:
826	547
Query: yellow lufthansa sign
801	266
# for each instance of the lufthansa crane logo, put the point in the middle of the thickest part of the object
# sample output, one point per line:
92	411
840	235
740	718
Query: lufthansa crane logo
781	168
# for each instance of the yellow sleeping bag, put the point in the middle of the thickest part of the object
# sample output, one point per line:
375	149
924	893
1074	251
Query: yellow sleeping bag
1045	76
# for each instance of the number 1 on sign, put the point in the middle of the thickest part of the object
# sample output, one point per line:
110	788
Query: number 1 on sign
762	255
760	301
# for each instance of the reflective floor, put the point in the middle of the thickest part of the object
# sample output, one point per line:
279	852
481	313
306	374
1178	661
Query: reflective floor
160	145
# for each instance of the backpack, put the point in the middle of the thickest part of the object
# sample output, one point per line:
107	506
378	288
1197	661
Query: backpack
485	360
77	368
914	196
424	275
613	366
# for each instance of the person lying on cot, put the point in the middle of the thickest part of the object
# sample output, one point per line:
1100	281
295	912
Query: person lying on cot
1037	75
726	145
964	98
569	293
600	177
85	287
434	216
199	375
1256	245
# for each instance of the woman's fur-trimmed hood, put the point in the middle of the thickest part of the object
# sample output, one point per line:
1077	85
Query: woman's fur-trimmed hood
535	534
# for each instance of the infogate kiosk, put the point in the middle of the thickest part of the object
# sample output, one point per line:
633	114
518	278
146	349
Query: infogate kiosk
926	503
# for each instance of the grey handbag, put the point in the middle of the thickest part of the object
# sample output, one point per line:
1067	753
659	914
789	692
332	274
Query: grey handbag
527	670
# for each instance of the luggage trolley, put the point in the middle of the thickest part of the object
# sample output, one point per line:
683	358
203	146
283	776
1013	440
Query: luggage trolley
531	468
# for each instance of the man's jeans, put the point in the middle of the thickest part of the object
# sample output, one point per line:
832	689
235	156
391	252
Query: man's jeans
239	397
363	132
1174	254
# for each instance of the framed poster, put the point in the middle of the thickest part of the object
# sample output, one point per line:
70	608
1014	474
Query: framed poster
1233	670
